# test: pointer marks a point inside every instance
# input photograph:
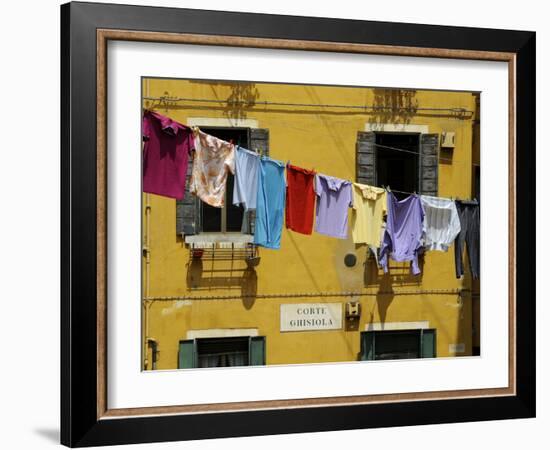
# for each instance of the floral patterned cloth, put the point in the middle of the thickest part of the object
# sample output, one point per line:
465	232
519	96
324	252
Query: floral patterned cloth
213	160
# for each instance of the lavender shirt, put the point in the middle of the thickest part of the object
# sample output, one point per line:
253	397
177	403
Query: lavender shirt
402	238
334	197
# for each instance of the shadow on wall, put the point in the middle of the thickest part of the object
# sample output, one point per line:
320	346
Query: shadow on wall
399	274
242	96
397	106
208	275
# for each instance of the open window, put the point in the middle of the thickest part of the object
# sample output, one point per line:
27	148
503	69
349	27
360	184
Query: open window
406	162
194	217
230	217
398	344
397	161
222	352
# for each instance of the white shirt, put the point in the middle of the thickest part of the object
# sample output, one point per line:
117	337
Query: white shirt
441	222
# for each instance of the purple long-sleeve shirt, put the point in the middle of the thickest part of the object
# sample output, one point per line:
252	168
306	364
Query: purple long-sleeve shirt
403	236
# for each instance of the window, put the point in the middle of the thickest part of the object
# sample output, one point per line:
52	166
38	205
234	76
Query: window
397	161
193	217
407	162
398	344
230	217
222	352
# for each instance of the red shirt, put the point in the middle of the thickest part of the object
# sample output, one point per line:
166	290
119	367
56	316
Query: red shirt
300	199
165	155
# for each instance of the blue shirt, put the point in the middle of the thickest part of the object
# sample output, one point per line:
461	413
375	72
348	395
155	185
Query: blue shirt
245	189
270	205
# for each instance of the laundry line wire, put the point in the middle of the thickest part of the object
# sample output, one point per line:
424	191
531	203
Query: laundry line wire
168	99
416	153
405	151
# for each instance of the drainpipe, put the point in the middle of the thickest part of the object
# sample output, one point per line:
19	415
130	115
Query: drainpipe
146	303
147	252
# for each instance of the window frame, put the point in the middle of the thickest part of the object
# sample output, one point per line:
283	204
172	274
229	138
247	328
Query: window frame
188	351
223	211
368	342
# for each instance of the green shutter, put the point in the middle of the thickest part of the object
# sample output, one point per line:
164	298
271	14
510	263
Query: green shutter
428	343
188	209
429	164
365	158
187	355
256	351
367	345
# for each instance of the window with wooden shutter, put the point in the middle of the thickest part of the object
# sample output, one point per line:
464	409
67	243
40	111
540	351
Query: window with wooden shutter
365	154
398	344
222	352
428	343
429	164
258	139
187	355
406	162
256	351
188	209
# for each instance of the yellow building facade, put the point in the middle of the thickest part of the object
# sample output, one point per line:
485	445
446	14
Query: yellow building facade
207	302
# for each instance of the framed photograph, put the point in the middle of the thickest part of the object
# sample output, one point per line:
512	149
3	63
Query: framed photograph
277	224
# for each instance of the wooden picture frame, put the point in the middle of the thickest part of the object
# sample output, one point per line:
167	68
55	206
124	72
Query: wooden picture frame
86	418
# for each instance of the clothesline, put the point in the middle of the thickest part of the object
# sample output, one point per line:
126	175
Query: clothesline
305	198
416	153
167	99
389	189
197	129
391	148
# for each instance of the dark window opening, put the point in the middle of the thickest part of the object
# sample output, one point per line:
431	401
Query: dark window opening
397	162
398	344
230	217
223	352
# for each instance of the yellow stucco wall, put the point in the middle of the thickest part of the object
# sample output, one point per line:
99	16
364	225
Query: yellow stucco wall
322	138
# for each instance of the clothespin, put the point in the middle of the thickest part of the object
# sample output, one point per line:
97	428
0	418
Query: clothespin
195	130
388	188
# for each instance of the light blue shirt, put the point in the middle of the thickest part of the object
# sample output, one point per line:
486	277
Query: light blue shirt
245	188
270	206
